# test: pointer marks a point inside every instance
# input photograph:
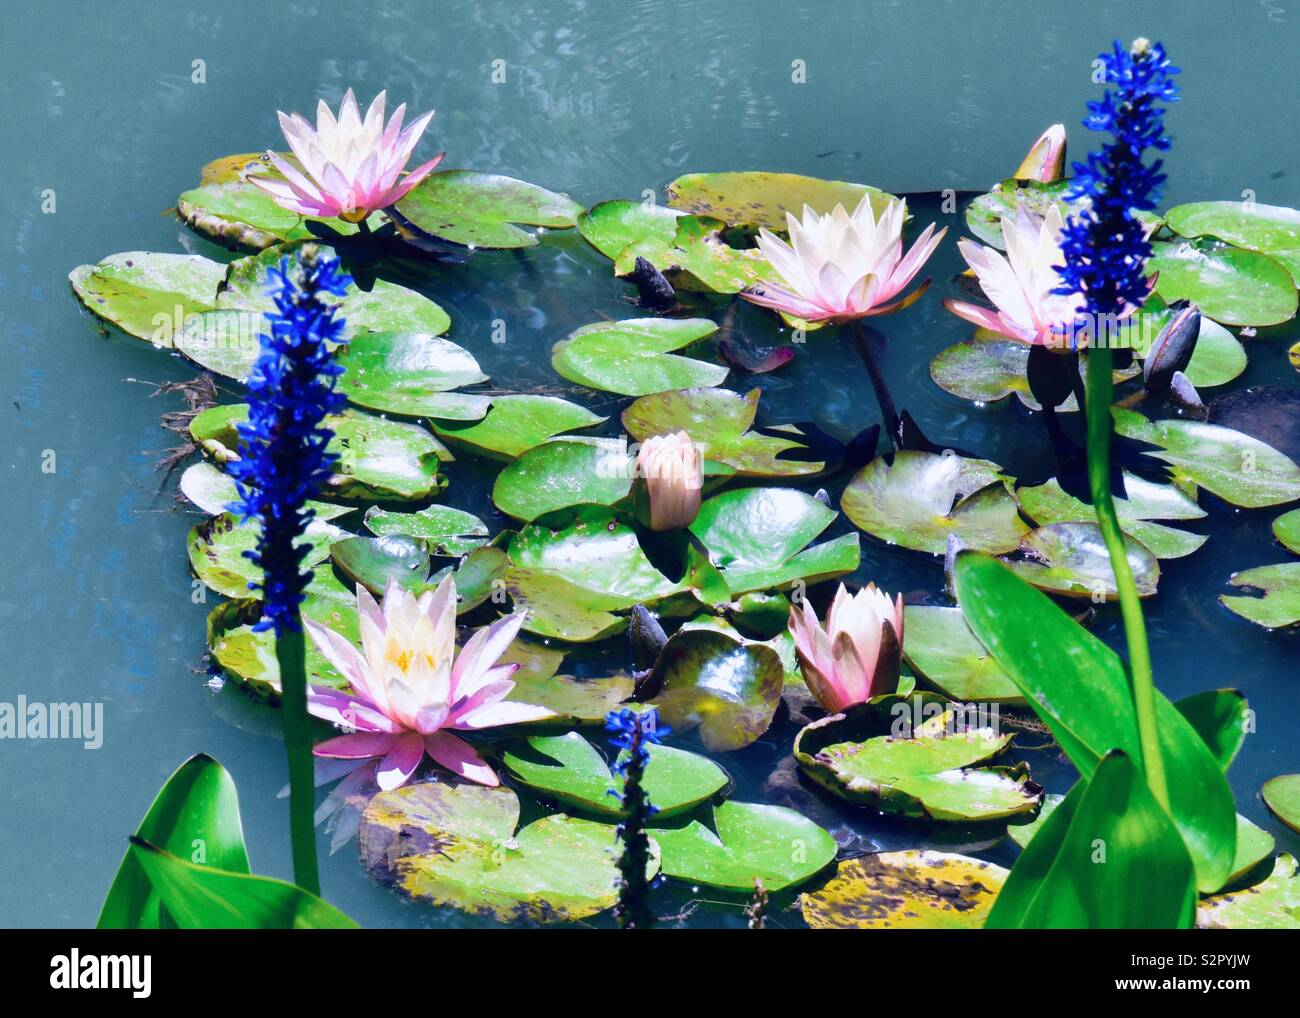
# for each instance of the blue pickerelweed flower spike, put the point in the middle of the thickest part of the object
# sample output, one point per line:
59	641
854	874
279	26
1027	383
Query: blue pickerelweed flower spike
632	735
1105	246
285	460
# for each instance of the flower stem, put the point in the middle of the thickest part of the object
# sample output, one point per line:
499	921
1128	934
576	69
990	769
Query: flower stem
289	654
1100	388
883	397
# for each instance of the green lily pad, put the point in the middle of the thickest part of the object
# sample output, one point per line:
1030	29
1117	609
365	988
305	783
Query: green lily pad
635	358
1232	465
515	424
1271	905
444	530
757	198
924	497
485	209
728	687
690	249
480	575
575	701
225	340
390	461
411	373
749	842
1231	285
1271	229
149	295
374	562
234	212
1071	559
1286	528
217	547
1049	503
564	472
595	550
875	756
987	368
908	890
942	651
213	490
718	421
248	655
757	537
560	609
1282	797
571	771
985	213
456	845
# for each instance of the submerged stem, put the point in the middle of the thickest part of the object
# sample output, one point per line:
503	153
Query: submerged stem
883	397
289	654
1100	388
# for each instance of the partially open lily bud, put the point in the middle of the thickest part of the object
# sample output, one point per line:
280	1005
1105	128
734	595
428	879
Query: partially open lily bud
1045	161
1172	350
673	471
857	654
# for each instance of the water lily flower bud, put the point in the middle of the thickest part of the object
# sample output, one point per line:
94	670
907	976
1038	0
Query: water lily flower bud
857	655
673	470
1171	351
347	167
1045	161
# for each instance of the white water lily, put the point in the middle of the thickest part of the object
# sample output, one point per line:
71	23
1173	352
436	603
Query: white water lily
840	267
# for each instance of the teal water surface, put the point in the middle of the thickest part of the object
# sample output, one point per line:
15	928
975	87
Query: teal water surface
600	100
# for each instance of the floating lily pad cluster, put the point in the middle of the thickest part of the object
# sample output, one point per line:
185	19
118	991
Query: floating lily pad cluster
565	539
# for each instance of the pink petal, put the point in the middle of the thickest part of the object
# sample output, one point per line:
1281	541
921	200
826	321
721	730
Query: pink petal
459	757
358	747
401	761
506	712
347	711
481	652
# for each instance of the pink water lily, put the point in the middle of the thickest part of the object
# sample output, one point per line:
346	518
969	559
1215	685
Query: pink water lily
406	694
840	267
858	653
1022	283
348	167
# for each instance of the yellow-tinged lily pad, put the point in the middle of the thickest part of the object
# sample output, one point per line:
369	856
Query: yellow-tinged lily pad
457	845
757	198
905	890
1273	904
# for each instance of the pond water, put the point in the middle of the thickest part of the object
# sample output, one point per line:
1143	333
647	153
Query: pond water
600	101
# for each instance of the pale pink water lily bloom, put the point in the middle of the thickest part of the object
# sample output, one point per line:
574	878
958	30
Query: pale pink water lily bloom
409	690
840	267
674	477
350	166
857	655
1045	161
1022	283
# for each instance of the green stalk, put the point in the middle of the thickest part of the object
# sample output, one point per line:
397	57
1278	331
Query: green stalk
1100	389
290	655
